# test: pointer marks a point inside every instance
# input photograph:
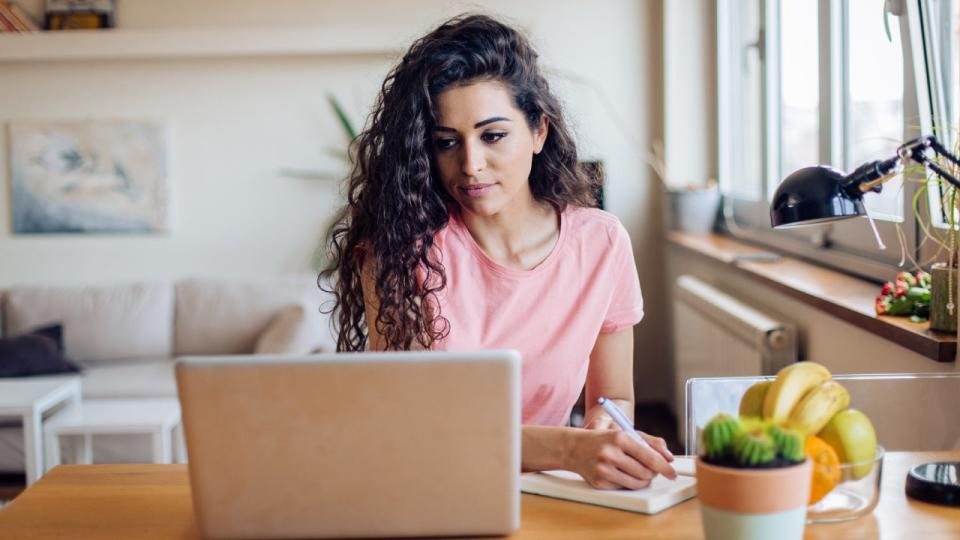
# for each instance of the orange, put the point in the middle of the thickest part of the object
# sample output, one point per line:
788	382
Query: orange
826	467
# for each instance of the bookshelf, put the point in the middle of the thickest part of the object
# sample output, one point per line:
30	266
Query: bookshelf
132	44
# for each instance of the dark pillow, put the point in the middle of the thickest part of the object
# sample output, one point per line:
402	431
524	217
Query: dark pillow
39	352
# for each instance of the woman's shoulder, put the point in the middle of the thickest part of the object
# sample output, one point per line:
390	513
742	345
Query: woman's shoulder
594	223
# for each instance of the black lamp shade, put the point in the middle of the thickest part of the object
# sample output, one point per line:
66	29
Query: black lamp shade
813	195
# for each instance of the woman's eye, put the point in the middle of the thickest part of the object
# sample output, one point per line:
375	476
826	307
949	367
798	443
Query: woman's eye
493	137
444	144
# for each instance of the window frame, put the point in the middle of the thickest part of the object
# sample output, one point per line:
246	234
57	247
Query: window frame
847	245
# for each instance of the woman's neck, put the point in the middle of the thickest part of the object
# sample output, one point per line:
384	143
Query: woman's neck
519	237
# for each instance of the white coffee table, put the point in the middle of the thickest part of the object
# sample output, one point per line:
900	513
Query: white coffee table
158	418
28	399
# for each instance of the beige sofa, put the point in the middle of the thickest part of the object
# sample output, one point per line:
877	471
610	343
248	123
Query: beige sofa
127	336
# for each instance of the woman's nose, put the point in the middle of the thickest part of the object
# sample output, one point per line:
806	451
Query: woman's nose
473	159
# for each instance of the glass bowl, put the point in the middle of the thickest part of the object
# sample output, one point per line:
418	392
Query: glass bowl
856	495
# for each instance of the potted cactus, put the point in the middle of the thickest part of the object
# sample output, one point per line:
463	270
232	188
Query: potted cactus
753	479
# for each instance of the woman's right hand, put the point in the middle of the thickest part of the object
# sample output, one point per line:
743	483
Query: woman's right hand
612	459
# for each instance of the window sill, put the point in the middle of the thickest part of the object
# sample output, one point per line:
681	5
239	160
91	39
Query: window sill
848	298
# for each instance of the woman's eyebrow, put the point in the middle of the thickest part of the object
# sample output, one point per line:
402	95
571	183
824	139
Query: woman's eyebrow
478	125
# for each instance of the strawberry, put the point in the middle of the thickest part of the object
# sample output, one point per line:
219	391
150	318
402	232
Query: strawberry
907	277
882	305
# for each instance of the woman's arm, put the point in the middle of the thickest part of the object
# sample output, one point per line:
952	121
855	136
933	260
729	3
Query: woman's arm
610	375
603	454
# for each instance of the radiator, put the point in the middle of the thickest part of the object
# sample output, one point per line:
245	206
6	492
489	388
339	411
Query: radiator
716	335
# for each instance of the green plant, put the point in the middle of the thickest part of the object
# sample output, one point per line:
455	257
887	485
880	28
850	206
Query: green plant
754	448
718	435
319	257
788	442
750	442
913	295
931	186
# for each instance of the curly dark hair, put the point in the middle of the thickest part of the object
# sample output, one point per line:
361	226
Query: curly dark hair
395	201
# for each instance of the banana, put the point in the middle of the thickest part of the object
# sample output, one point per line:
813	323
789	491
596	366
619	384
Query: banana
791	384
751	404
818	407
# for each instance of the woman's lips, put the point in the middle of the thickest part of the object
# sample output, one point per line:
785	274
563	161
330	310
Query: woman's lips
477	190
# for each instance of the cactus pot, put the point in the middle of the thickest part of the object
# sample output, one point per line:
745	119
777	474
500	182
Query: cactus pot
747	504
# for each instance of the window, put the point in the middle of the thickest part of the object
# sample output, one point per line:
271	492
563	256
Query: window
836	82
873	100
744	50
944	43
800	87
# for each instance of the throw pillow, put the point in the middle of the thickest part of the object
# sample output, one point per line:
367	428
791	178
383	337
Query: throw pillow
286	334
39	352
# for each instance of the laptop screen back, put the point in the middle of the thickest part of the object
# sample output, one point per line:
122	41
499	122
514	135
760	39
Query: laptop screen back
360	444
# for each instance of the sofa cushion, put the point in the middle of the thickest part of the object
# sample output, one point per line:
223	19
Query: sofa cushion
99	323
119	379
288	333
39	352
217	316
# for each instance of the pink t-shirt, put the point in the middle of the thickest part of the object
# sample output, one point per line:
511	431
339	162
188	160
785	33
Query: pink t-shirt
552	314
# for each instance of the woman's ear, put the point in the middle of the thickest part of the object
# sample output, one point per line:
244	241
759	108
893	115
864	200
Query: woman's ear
540	134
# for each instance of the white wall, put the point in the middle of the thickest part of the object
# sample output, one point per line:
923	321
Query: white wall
689	98
234	122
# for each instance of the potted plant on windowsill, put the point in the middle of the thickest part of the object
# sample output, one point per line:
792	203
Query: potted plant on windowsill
943	280
688	207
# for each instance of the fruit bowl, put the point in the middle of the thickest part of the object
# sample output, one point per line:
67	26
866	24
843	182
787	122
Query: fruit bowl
855	495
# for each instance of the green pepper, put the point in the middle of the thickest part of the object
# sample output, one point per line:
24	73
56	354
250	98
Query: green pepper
918	294
901	306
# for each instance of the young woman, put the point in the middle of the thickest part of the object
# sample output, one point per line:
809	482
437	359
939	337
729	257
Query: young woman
470	225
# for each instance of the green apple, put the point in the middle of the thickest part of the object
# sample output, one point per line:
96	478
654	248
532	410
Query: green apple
851	434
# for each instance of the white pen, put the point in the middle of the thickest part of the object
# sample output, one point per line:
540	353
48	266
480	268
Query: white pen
685	466
620	419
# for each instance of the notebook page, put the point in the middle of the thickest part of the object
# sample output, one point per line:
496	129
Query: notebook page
659	495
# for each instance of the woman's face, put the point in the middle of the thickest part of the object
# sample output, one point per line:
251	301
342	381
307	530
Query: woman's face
484	148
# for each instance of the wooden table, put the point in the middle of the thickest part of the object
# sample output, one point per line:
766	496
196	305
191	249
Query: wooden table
153	501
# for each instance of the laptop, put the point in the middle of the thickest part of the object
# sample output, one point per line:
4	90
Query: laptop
398	444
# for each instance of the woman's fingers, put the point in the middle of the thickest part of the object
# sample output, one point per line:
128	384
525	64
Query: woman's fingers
615	456
658	444
610	477
613	459
647	456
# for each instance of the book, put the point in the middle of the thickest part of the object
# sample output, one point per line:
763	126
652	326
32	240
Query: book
24	18
79	14
658	496
8	23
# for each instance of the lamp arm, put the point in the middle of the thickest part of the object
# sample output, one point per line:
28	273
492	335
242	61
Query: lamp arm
870	176
916	150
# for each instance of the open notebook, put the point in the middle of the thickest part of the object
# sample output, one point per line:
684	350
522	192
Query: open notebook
660	495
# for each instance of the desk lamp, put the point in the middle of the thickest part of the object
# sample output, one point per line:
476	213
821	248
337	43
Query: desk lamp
821	194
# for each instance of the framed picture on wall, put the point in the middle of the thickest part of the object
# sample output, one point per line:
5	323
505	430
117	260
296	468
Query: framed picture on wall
92	176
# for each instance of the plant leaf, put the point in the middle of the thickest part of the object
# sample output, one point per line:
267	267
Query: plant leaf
342	116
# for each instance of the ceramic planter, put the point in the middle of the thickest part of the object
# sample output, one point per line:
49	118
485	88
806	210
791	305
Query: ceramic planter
748	504
943	290
693	211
